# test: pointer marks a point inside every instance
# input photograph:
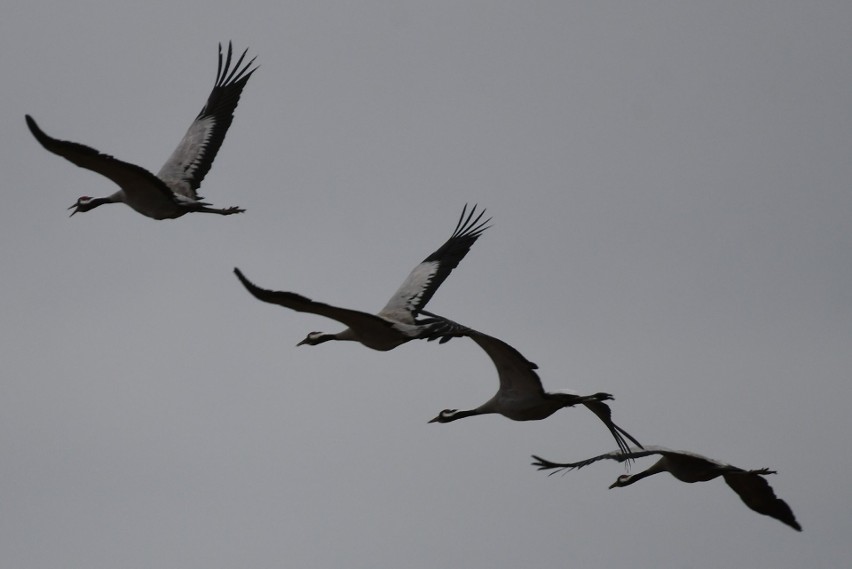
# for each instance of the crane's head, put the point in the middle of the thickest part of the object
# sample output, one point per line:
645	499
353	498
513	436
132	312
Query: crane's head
315	338
623	480
446	416
450	415
85	203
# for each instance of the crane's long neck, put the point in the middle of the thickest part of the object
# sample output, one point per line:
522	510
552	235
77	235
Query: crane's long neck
322	338
450	415
315	338
628	479
95	202
92	203
116	197
86	203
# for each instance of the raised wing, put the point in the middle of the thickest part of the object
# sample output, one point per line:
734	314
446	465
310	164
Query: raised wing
516	373
191	160
616	455
130	177
354	319
758	495
413	295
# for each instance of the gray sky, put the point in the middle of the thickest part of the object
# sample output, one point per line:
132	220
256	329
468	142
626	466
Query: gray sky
670	187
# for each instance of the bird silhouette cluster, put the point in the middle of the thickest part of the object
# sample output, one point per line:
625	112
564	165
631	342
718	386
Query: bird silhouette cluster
172	192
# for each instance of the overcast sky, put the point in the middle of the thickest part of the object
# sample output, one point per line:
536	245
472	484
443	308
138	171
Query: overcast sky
670	187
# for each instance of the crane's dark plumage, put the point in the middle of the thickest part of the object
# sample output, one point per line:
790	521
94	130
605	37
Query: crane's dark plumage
172	192
689	467
397	322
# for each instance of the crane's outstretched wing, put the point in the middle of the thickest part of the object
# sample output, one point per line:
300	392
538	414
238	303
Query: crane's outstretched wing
191	160
129	176
758	495
355	319
617	455
413	295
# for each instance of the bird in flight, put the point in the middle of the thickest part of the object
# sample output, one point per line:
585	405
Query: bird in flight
173	191
396	323
689	467
521	396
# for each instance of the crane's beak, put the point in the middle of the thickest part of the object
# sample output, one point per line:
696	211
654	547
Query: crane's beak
302	342
75	208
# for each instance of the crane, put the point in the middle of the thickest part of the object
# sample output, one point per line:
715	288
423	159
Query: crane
397	322
690	467
173	191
